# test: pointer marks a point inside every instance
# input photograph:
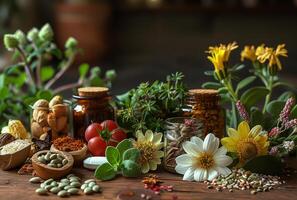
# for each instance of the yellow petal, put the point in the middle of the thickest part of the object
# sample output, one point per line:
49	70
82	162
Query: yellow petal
229	144
232	132
243	129
157	138
256	130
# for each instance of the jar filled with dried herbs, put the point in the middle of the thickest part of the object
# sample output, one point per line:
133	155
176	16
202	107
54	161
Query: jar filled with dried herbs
203	104
178	130
92	104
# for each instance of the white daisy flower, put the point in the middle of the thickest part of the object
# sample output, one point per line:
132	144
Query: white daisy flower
204	160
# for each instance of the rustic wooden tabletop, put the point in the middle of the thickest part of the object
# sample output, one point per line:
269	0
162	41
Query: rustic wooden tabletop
17	187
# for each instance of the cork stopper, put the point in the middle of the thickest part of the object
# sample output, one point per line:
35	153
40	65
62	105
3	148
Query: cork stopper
204	96
92	91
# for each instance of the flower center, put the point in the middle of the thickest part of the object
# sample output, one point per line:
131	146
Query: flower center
147	150
247	150
205	160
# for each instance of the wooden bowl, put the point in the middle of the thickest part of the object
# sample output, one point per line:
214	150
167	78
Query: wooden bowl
45	172
78	155
10	161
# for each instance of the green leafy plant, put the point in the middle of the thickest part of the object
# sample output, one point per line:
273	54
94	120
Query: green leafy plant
121	159
147	106
237	94
39	64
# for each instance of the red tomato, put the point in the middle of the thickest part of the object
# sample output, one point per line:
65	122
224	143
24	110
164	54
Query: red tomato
109	124
97	146
93	130
117	136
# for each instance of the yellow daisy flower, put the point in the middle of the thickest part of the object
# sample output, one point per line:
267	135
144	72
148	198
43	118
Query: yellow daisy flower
249	52
149	145
272	56
247	143
260	50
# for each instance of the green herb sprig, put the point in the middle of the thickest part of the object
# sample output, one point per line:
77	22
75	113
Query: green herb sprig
121	159
147	106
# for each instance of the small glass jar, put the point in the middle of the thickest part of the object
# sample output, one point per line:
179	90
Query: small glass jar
178	130
53	121
92	105
203	104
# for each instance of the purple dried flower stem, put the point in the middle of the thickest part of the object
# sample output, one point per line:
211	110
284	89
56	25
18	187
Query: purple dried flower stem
242	111
285	113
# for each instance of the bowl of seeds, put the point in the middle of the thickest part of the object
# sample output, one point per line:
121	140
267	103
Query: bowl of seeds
54	165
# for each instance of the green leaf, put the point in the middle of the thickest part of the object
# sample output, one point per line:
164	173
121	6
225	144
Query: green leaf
223	90
131	154
4	92
245	82
286	95
275	107
277	84
105	172
83	70
211	85
46	73
256	117
113	156
2	80
110	74
238	67
44	94
294	112
252	96
267	164
131	169
123	146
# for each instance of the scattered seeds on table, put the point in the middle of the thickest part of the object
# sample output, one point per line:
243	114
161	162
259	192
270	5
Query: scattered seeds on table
36	180
41	191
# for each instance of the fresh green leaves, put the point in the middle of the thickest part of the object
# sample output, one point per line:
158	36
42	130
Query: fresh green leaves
46	73
121	159
253	95
245	82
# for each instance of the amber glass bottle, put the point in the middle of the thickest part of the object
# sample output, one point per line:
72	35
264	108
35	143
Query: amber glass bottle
203	104
92	105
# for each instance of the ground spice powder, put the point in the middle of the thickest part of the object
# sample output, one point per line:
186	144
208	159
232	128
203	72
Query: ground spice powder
68	144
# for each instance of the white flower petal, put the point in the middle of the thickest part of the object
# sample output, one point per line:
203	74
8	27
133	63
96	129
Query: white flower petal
223	160
184	160
212	173
198	141
225	171
149	135
153	165
189	174
200	174
139	136
191	148
158	154
157	138
221	151
211	143
181	169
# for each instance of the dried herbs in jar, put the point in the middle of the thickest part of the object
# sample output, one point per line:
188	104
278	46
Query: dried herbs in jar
178	130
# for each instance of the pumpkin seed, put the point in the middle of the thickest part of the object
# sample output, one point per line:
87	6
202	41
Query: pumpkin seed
73	191
90	180
71	175
55	190
42	185
59	165
48	187
47	157
75	184
91	184
48	181
64	180
52	165
35	180
96	188
54	183
41	159
63	193
88	191
62	185
41	191
65	161
68	187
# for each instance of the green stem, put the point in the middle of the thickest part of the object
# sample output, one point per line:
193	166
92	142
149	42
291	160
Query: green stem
268	96
27	67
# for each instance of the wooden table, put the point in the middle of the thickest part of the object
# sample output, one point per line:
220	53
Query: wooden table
17	187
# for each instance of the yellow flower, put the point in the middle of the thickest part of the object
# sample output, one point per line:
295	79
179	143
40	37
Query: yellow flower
247	143
219	55
249	52
260	50
272	56
149	145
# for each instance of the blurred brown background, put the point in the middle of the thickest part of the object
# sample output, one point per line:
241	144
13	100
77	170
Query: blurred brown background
148	39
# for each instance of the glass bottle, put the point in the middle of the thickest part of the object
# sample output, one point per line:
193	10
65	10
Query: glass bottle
92	105
203	104
177	131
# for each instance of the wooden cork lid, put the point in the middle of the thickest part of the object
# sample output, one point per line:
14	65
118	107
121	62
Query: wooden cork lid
204	95
92	91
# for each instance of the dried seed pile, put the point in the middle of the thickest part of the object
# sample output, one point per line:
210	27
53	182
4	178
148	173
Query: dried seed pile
66	186
240	179
51	159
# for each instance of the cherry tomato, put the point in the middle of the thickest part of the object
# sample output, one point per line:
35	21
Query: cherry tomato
97	146
117	136
93	130
109	124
